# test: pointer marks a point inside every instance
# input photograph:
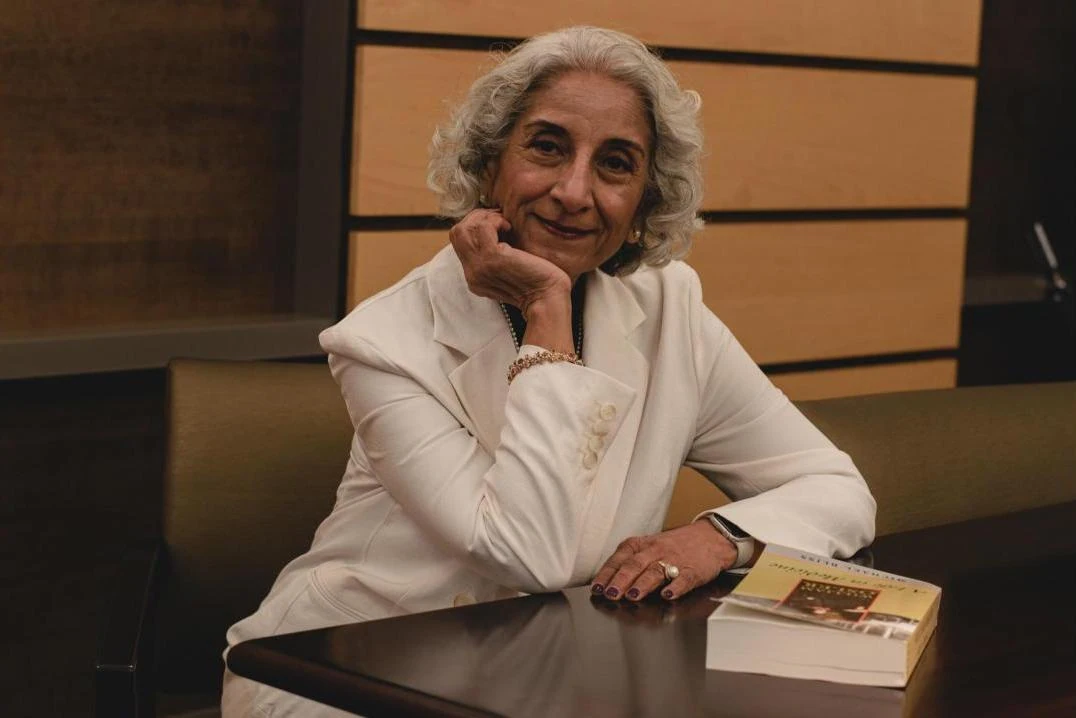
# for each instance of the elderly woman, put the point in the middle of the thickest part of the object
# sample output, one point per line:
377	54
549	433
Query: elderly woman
573	169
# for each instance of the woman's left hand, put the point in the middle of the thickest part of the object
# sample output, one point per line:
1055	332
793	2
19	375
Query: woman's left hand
633	571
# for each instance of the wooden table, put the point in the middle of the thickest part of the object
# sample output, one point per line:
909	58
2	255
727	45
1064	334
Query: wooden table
1005	645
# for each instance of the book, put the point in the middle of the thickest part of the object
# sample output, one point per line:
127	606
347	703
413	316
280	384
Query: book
800	615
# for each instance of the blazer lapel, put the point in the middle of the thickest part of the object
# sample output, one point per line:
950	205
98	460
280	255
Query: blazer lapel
610	318
482	388
474	327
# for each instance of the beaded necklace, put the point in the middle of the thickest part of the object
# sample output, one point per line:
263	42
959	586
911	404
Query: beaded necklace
517	324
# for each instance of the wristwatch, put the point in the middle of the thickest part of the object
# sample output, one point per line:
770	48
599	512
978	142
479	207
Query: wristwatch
743	541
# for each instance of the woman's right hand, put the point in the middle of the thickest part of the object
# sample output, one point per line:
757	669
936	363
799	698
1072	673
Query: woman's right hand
499	271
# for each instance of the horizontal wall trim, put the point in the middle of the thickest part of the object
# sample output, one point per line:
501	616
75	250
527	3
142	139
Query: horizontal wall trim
402	222
405	222
847	362
115	349
360	36
831	215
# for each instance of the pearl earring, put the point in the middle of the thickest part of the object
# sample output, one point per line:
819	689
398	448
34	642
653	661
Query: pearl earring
481	200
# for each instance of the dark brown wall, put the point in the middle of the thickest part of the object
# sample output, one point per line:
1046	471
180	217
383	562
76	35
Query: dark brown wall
149	160
148	172
80	479
1023	171
1024	167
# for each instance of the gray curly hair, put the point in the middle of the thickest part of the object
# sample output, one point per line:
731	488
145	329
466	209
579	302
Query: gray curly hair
479	127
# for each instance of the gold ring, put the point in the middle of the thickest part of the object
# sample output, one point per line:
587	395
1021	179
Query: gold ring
671	571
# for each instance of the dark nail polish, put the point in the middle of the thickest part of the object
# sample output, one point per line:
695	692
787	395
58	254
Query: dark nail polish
633	594
666	593
597	589
612	592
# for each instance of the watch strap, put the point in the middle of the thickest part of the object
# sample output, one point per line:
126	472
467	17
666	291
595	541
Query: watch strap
745	546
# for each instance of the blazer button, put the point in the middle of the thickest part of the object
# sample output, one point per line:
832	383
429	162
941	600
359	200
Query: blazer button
463	599
599	428
590	460
607	412
596	443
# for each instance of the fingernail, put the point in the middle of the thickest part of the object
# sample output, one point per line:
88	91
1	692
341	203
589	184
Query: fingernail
597	589
666	593
633	594
612	592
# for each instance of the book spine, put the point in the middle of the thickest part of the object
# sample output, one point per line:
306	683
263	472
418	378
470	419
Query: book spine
921	636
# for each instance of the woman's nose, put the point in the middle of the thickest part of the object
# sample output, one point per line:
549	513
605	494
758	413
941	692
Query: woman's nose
573	187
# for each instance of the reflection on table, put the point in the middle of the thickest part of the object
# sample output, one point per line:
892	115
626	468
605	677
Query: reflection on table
1001	647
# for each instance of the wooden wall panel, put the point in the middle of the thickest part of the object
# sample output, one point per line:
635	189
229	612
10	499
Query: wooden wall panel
871	379
778	138
377	260
789	291
815	290
914	30
401	95
149	155
793	138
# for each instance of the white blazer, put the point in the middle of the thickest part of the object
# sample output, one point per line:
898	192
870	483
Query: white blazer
461	488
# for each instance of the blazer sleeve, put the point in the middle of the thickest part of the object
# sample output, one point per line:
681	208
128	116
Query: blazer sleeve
513	515
788	483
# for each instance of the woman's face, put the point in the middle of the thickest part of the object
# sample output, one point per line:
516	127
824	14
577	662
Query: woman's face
572	176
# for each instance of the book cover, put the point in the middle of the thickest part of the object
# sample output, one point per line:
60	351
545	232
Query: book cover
806	587
800	615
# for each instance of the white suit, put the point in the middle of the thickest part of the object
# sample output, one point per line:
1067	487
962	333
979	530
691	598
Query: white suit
462	488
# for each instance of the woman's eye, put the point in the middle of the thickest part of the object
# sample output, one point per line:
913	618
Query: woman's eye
545	147
616	163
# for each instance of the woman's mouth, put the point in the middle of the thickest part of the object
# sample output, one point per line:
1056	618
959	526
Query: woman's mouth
564	230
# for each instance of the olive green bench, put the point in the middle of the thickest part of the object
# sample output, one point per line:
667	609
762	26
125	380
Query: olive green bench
256	450
936	457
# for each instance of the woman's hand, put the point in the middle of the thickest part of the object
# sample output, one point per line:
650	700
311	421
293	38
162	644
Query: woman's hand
499	271
633	571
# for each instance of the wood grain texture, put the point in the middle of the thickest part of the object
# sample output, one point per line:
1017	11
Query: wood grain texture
401	95
877	379
944	31
788	291
377	260
816	290
777	138
150	160
791	138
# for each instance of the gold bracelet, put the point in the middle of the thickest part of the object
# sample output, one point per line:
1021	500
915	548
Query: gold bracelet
543	357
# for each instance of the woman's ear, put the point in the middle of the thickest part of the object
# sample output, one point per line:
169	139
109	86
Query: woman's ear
650	199
638	227
485	187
